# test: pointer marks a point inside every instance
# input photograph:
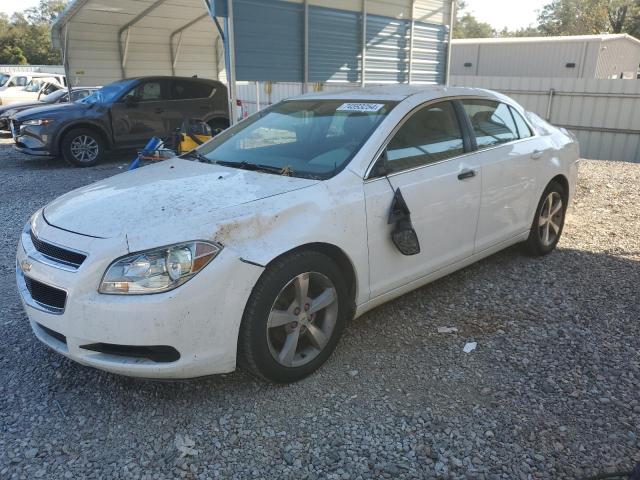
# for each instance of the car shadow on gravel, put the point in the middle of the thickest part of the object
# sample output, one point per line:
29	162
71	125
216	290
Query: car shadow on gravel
498	302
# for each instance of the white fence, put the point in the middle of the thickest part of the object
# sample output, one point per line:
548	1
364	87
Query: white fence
268	93
604	114
32	68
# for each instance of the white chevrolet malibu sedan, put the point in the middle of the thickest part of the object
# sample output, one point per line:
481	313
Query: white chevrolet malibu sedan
258	247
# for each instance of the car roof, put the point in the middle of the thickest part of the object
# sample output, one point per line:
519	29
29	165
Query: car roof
401	92
36	74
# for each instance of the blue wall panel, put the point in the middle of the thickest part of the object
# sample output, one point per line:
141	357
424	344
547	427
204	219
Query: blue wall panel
269	38
429	52
387	50
334	45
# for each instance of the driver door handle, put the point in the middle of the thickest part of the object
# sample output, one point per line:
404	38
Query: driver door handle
466	173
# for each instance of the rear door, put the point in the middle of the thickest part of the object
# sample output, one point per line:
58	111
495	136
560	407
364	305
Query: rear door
508	158
190	100
141	113
428	162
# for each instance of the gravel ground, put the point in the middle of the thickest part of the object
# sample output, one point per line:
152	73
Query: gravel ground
550	392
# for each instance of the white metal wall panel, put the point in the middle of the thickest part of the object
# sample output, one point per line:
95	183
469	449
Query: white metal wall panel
593	56
94	57
618	57
398	9
279	91
32	68
604	114
432	11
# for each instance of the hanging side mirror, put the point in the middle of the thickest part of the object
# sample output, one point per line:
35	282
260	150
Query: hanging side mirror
404	236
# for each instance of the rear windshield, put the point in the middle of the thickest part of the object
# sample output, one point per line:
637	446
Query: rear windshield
304	138
53	97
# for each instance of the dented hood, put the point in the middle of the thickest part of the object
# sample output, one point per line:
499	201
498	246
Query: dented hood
174	195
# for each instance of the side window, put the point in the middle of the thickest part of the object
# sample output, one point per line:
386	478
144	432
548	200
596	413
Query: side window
523	129
21	81
492	122
79	94
146	92
430	135
185	90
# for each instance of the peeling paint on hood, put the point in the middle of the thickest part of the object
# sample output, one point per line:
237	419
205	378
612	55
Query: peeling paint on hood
172	194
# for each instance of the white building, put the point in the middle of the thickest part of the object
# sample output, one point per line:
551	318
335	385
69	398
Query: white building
588	56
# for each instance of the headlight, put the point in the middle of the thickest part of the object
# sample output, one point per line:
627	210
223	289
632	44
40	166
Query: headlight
158	270
38	121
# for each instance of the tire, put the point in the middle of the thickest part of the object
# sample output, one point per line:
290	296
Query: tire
218	125
82	147
545	232
266	338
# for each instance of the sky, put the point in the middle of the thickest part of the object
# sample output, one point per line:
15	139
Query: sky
512	14
11	6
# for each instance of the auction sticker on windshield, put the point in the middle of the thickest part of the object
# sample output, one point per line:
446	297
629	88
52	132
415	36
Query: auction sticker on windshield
360	107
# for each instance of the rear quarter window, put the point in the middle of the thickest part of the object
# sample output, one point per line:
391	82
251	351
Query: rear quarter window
188	90
492	122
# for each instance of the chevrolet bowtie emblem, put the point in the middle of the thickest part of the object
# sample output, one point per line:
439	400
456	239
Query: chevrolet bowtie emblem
25	265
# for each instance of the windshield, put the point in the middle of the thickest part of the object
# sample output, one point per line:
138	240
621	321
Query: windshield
53	97
301	138
34	85
108	93
3	79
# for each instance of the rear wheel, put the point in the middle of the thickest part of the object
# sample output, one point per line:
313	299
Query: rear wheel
549	221
82	147
218	125
294	317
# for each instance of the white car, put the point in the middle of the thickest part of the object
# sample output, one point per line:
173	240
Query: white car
25	86
258	247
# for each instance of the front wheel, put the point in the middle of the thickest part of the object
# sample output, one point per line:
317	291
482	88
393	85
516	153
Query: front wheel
548	222
82	147
294	317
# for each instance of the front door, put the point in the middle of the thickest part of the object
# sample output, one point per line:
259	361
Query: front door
441	185
141	114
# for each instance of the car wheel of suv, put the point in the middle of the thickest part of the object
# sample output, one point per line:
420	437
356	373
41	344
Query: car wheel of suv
218	125
548	222
294	317
82	147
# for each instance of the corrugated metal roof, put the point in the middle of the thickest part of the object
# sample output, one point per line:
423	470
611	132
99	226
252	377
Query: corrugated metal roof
568	38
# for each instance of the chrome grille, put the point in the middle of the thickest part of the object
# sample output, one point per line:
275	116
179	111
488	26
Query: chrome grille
50	298
58	254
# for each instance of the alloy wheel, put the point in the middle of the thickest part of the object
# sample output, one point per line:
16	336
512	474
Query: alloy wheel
550	219
302	319
84	148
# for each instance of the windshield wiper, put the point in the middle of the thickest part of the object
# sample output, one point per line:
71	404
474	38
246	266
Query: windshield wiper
197	155
252	166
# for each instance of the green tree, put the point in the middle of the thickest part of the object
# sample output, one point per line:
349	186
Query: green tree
12	55
468	26
584	17
46	12
30	32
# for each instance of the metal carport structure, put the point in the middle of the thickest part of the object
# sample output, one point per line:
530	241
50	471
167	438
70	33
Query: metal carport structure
304	42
